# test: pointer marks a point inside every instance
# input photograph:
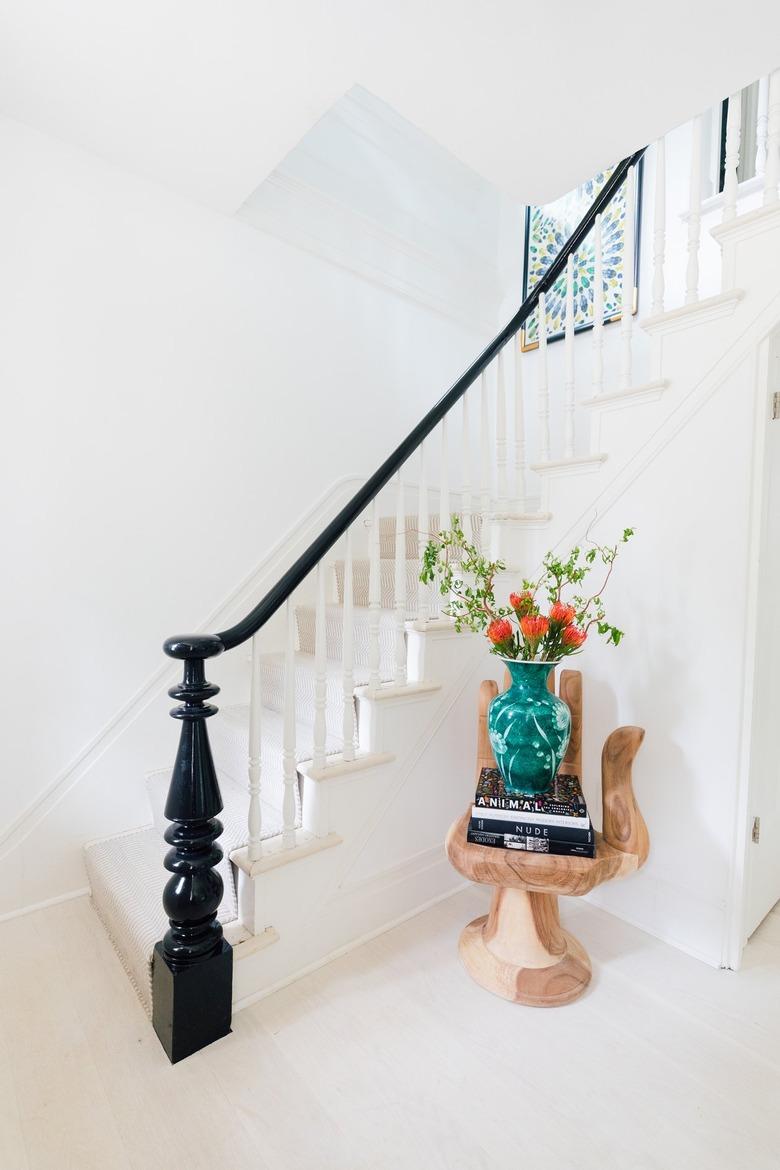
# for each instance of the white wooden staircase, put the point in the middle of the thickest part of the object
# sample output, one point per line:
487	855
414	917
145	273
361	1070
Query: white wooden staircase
342	769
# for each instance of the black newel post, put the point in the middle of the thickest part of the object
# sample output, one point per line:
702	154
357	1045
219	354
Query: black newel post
192	982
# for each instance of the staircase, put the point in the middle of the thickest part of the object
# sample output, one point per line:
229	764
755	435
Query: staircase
357	684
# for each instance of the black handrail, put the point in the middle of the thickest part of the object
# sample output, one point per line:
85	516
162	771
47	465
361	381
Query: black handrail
340	523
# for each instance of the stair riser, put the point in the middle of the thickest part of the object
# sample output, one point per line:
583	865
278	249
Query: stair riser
360	583
272	686
334	636
230	748
415	537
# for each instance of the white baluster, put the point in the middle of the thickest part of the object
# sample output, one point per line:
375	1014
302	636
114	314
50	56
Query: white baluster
399	673
627	312
694	216
255	820
543	386
568	362
465	491
772	169
444	483
320	677
289	767
424	592
730	178
374	601
762	125
484	447
501	481
659	228
598	308
348	654
520	457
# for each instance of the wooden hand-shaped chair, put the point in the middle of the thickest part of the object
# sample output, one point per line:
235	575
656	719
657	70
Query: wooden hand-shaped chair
519	950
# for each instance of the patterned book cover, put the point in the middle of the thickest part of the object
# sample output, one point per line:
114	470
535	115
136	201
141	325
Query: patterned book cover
564	799
531	844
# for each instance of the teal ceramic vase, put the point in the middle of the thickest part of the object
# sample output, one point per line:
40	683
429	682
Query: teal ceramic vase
529	729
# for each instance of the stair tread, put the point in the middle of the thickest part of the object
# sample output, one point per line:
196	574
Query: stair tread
127	879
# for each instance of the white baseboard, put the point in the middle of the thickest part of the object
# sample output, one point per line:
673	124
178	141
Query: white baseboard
83	892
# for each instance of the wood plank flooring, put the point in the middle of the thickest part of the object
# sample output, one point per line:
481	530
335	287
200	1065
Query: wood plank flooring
392	1057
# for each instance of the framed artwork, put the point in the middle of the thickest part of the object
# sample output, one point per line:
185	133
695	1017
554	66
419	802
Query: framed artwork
547	229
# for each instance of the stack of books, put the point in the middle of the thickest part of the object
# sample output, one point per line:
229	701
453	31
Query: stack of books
555	822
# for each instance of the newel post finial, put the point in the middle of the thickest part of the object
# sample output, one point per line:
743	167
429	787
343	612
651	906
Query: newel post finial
193	964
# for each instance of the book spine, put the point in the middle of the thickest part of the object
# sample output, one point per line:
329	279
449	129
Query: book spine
519	807
531	844
521	828
549	819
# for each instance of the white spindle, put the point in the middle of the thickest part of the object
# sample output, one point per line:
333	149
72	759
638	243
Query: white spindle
772	169
731	178
374	601
568	363
465	491
501	480
762	125
289	768
444	482
520	458
399	672
320	677
348	654
598	309
424	592
484	447
659	227
543	386
694	216
627	311
255	821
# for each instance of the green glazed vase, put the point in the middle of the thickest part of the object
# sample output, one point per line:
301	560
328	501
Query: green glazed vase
529	729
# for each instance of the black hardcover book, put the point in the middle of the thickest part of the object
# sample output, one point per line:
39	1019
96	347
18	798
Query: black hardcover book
531	844
520	828
564	799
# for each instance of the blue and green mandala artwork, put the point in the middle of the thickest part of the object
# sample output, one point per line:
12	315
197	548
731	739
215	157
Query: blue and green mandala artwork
547	229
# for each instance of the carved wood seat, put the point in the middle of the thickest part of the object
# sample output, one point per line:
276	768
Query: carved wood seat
519	950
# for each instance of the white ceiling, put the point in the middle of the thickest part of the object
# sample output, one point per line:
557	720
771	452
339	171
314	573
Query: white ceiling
207	96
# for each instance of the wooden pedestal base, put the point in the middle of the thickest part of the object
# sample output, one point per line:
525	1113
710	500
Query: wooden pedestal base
520	951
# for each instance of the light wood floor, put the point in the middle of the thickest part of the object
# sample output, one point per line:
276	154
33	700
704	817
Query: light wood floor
391	1057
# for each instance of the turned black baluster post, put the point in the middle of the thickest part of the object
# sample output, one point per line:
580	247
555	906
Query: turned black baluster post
192	980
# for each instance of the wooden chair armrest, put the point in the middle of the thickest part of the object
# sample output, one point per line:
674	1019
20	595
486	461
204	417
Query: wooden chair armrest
623	825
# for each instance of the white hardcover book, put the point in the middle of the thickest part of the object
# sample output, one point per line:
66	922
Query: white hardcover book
531	818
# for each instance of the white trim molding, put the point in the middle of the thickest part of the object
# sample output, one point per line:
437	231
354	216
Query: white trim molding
648	392
584	464
697	313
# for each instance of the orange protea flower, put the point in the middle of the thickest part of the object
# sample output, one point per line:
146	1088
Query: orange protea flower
562	615
499	631
573	637
534	627
522	603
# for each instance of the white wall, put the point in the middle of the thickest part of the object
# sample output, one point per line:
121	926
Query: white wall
680	592
178	390
758	862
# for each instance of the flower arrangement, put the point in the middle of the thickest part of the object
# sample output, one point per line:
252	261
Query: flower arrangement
538	624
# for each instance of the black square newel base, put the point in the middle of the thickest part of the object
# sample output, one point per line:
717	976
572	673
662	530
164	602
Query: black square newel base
192	1007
